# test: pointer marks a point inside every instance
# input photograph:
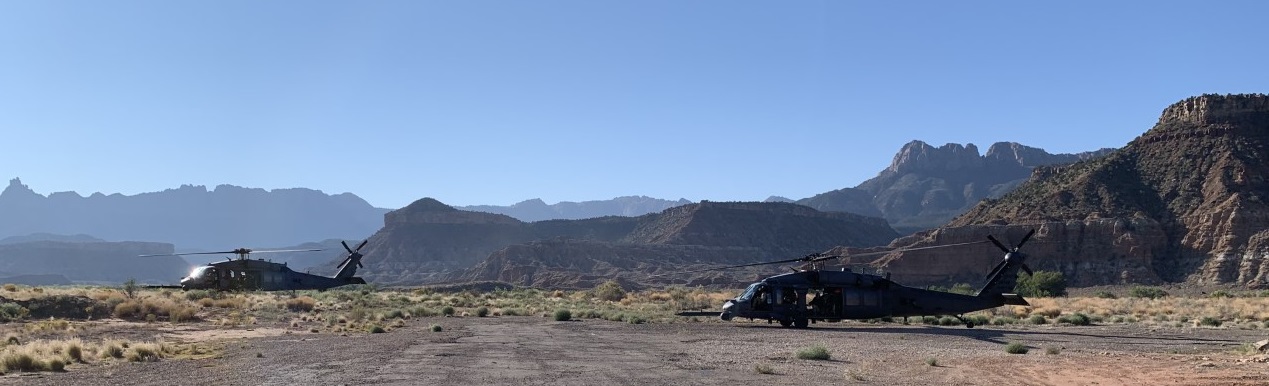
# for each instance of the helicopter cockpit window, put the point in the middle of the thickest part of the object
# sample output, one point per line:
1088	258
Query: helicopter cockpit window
748	294
200	271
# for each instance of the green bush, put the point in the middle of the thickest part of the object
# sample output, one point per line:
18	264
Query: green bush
1077	319
610	291
482	312
563	315
1105	295
1222	294
447	311
1041	284
1147	292
376	329
1210	321
1016	348
12	311
436	328
1037	319
817	352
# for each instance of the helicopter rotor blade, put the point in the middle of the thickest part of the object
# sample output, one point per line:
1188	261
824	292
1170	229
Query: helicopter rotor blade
1024	239
287	250
998	244
1027	269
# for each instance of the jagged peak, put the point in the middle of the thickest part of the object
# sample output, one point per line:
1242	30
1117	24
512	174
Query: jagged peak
17	187
918	155
536	202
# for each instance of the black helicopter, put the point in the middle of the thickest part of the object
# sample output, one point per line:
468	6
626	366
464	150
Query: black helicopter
244	274
838	295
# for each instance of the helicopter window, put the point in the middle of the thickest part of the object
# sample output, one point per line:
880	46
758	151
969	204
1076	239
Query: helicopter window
871	298
748	294
200	271
853	297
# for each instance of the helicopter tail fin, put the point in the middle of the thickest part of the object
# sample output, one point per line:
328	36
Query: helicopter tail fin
1004	277
349	266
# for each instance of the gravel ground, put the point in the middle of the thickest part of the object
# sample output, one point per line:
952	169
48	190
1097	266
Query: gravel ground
535	350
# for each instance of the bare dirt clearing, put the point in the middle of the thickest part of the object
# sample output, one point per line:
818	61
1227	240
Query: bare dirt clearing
535	350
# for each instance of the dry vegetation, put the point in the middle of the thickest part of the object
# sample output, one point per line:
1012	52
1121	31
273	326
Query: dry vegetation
105	330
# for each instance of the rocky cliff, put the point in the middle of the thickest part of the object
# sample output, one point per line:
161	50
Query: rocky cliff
428	241
926	186
191	217
1183	202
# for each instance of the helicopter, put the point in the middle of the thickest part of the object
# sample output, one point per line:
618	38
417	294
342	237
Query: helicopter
244	274
838	295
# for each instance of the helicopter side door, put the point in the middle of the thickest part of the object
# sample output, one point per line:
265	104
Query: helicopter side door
862	303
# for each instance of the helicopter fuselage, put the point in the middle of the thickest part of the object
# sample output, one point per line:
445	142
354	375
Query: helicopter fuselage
249	274
837	295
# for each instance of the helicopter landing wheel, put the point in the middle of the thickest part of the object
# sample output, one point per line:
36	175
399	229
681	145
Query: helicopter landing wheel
786	323
800	323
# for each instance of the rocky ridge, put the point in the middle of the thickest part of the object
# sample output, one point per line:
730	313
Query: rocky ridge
926	186
1183	202
429	242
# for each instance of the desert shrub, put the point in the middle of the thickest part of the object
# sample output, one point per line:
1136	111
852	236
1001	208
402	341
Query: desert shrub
636	319
10	287
111	350
436	328
1105	295
376	329
930	320
19	361
1052	350
301	304
1222	294
978	320
12	311
130	288
610	291
817	352
948	321
447	311
1209	321
183	314
932	362
1037	319
195	295
1042	284
143	353
482	312
127	309
75	351
563	315
1016	348
762	368
56	364
1147	292
1077	319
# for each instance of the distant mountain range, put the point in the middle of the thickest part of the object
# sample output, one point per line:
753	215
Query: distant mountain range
538	210
925	186
191	217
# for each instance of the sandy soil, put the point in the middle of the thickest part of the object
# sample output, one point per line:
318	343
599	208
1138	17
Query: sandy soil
535	350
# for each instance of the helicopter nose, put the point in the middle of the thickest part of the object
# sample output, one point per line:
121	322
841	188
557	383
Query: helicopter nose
726	315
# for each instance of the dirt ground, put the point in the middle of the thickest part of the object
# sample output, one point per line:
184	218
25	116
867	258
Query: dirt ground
526	350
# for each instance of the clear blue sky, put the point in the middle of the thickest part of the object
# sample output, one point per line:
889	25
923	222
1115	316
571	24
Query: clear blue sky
494	102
